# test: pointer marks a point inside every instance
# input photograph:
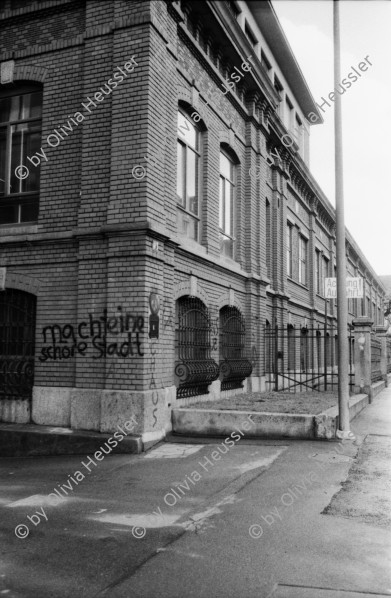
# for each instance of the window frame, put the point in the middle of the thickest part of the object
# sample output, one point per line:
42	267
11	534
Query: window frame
20	198
325	271
289	248
303	263
248	32
183	208
318	271
233	184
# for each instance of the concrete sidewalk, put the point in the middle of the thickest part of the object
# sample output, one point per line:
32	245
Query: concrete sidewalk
250	524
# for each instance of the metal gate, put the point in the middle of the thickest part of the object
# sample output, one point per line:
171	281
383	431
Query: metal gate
17	335
300	359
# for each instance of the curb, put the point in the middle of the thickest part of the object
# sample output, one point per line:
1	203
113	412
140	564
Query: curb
214	422
29	440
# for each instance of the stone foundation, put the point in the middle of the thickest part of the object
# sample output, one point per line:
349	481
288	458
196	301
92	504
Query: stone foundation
103	410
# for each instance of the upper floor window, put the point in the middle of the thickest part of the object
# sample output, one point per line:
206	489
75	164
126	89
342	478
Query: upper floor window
20	138
234	8
325	273
268	240
227	205
279	89
188	175
289	250
265	63
250	36
289	114
318	271
303	260
278	86
298	133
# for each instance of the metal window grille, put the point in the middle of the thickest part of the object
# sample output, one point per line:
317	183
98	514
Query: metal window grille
194	367
17	335
234	367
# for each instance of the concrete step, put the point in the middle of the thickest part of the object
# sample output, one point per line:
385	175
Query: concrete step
30	440
190	421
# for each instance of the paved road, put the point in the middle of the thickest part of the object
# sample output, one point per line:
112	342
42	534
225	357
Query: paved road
236	519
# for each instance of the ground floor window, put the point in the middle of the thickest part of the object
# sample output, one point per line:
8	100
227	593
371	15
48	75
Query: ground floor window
17	336
234	367
194	367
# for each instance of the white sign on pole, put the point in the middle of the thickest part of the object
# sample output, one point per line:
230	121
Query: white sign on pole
354	288
2	278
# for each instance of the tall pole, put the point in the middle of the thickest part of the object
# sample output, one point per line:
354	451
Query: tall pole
342	311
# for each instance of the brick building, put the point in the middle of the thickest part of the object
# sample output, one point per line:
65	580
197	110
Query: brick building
157	212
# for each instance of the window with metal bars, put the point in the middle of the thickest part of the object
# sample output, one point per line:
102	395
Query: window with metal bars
234	367
17	336
194	367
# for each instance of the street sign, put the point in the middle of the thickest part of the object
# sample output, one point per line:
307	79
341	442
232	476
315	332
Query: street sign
354	288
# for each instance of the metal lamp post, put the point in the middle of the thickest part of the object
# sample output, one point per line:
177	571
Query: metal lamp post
342	309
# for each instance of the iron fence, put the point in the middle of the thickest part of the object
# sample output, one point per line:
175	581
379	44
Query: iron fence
388	355
376	373
300	359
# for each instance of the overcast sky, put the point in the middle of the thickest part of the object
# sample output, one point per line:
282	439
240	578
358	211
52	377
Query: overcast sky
365	31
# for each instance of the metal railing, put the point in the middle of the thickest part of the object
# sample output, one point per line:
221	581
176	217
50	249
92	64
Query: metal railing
300	359
388	355
376	373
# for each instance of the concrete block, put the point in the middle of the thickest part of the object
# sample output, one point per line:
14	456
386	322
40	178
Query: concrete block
325	426
212	422
356	404
85	409
52	406
151	409
119	406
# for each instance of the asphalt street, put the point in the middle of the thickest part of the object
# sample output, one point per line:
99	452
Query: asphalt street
203	518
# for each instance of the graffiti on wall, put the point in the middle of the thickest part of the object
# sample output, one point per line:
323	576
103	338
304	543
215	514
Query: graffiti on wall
64	342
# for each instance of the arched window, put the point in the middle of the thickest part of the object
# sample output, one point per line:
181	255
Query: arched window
188	177
234	367
194	368
20	139
17	348
232	333
227	207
